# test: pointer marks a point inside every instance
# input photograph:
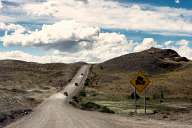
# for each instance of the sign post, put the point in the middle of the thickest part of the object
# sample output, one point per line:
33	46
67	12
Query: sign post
145	104
140	83
135	97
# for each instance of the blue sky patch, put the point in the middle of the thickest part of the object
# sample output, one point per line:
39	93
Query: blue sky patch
160	20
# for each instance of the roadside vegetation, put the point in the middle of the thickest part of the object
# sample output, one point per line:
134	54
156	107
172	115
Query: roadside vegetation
81	103
169	96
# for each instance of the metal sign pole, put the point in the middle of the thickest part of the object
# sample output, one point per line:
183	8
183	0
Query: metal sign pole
145	104
140	84
135	97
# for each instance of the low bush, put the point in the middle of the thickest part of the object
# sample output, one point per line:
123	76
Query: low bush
95	107
3	117
82	93
87	82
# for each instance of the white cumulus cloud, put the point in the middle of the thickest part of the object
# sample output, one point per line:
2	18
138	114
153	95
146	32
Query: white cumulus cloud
183	43
162	20
60	32
12	27
184	49
108	46
19	55
70	41
177	1
146	44
74	41
75	33
1	6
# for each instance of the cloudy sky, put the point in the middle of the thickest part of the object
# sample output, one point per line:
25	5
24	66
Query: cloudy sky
92	30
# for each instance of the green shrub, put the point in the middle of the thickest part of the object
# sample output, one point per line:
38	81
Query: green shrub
106	110
94	94
87	82
101	67
90	106
95	107
3	117
148	98
82	93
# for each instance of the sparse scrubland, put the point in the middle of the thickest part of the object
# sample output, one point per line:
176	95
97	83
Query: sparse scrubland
169	96
24	85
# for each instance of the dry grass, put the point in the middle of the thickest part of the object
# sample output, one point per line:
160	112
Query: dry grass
24	85
174	84
112	89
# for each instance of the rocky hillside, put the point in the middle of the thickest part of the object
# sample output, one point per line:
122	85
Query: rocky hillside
153	60
166	68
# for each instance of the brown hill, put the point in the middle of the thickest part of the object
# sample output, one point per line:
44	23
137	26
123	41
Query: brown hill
153	60
167	70
168	96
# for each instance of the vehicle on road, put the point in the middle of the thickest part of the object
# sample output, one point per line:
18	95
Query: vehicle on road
76	84
66	93
69	80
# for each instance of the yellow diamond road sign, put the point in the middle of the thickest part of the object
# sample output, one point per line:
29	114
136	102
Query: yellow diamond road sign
140	83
